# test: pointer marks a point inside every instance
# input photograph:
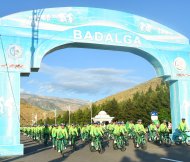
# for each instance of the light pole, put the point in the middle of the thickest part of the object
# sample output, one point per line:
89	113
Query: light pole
55	114
45	117
69	115
69	109
36	118
32	119
91	112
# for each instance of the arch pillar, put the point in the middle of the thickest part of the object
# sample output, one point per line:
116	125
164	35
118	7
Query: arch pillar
179	102
10	114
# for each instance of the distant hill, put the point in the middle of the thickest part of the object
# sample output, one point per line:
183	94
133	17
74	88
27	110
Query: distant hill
52	103
28	113
44	107
128	94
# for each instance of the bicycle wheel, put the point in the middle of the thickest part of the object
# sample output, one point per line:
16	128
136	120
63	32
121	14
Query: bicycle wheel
92	149
123	148
144	144
177	141
101	149
168	142
122	144
115	146
187	141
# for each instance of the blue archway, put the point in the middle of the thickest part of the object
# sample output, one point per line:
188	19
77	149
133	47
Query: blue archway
27	37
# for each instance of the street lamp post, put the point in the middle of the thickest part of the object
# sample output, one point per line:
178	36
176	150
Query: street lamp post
55	115
36	119
45	117
91	112
69	115
69	109
32	119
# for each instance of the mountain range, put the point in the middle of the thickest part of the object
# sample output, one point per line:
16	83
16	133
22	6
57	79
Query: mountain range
52	103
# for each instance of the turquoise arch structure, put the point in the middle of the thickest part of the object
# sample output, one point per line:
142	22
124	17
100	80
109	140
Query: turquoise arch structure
26	37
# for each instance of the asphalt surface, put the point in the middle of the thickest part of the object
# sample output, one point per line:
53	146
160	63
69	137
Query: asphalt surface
35	152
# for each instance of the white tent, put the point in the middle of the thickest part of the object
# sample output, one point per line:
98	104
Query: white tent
102	117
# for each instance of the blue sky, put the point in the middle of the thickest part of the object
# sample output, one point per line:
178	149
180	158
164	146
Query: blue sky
91	74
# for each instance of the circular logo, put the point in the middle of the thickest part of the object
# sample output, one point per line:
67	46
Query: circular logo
180	63
15	51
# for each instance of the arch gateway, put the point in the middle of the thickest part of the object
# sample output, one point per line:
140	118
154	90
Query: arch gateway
26	37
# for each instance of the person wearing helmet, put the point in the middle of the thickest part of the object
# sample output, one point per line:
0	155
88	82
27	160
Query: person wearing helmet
130	129
84	133
54	135
139	131
96	130
152	130
139	127
96	133
182	126
46	134
163	127
116	131
62	136
73	133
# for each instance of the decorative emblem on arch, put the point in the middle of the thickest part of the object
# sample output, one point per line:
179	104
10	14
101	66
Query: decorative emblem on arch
180	64
15	51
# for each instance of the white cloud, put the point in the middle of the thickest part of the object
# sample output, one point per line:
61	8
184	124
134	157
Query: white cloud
22	90
91	81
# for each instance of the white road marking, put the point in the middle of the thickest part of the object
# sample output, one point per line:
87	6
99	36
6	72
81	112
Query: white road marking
170	160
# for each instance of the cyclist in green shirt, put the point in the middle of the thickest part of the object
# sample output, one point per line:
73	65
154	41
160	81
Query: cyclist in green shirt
163	130
152	131
73	133
182	126
139	131
96	134
163	127
46	134
54	135
62	136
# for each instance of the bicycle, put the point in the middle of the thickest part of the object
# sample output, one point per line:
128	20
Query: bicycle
164	139
140	141
96	145
153	136
183	137
119	143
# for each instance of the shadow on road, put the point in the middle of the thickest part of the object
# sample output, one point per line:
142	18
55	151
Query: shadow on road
126	159
30	148
154	153
173	153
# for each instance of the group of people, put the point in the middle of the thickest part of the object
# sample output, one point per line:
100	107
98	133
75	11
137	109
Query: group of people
63	135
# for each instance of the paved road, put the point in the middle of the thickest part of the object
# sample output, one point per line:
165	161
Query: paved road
38	153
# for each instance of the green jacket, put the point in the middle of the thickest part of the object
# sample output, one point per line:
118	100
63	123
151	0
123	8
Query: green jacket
182	126
163	128
54	132
73	131
116	130
46	130
62	133
96	131
152	127
139	128
131	126
123	129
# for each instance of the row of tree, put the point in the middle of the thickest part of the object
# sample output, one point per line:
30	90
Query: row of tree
139	107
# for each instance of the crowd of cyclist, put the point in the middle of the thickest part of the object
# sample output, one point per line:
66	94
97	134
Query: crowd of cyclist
98	135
